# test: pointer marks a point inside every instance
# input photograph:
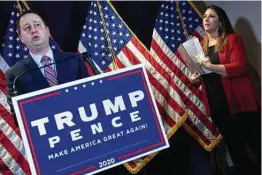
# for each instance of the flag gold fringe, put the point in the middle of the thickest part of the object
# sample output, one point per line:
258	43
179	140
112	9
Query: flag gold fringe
151	156
200	141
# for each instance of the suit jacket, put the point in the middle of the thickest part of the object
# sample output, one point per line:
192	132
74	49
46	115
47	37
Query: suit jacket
69	67
237	85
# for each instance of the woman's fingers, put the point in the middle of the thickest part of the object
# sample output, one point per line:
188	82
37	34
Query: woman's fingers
195	78
195	75
206	60
199	60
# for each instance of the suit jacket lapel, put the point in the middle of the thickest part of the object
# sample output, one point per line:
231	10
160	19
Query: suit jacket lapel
36	74
58	57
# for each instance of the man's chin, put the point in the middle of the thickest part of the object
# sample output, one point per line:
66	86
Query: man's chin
37	45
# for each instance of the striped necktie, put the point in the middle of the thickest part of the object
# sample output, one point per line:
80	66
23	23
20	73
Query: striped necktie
49	71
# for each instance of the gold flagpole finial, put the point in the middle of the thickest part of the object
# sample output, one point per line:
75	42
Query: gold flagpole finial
25	5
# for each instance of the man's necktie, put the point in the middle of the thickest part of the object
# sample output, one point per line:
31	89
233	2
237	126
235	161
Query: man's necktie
49	71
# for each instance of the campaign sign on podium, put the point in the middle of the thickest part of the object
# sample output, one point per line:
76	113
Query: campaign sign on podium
90	125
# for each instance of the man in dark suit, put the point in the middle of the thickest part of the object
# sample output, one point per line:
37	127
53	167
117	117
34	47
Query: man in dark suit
26	76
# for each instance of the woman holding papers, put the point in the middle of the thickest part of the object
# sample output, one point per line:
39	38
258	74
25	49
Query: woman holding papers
233	104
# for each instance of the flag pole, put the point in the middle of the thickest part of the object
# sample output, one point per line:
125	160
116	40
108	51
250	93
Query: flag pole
196	9
19	7
182	20
107	36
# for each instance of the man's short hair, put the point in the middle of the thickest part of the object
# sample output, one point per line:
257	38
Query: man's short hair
23	14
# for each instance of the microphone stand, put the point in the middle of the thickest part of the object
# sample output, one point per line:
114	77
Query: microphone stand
89	60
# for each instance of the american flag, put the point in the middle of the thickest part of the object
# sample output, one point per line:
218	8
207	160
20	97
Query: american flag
174	21
12	153
127	51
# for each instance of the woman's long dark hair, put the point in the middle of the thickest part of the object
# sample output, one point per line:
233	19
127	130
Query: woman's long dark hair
225	28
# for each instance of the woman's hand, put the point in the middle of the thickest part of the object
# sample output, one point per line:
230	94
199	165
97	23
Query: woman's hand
204	61
195	78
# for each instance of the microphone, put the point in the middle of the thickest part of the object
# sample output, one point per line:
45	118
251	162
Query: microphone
83	55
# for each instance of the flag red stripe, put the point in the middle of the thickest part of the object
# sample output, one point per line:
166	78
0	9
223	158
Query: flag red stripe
119	64
157	85
12	150
172	66
161	71
168	120
2	82
166	95
130	55
9	119
159	68
4	168
132	58
107	69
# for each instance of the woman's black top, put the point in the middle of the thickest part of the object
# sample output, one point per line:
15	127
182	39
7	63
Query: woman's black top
214	88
